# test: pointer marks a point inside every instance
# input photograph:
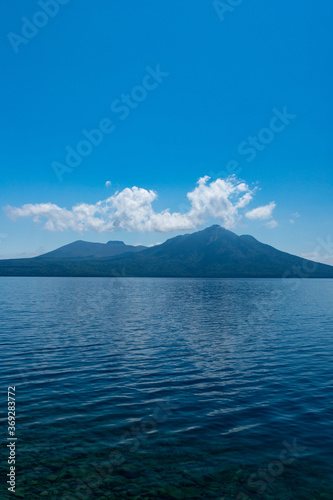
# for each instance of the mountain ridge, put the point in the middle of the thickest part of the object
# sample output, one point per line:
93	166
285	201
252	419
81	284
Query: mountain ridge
213	252
87	249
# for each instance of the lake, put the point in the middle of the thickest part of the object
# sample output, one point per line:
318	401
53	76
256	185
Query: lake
169	388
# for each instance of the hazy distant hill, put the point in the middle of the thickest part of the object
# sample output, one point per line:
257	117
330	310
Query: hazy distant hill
85	249
213	252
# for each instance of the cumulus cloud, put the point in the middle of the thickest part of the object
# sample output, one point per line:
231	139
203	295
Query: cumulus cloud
108	183
272	224
262	213
131	209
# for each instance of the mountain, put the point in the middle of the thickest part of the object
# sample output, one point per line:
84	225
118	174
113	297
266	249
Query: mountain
213	252
217	252
85	249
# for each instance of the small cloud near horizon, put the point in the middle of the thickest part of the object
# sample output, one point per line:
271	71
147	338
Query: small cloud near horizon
272	224
295	215
322	259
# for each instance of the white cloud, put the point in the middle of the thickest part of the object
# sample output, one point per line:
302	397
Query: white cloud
108	183
295	214
131	209
272	224
262	213
324	259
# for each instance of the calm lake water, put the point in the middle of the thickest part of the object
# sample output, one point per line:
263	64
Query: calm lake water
169	388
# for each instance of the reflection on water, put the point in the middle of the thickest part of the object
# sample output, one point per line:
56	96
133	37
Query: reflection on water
170	388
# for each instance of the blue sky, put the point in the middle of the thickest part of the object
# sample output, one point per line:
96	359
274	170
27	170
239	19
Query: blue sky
200	84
